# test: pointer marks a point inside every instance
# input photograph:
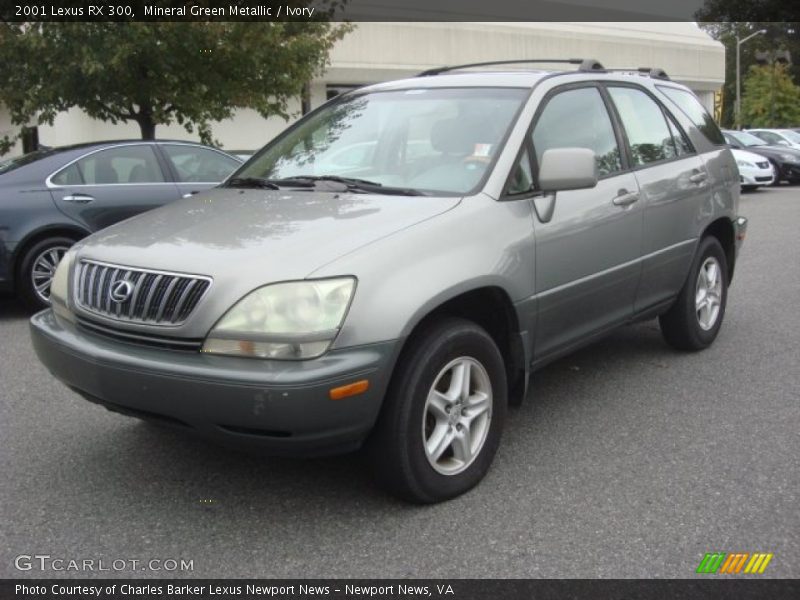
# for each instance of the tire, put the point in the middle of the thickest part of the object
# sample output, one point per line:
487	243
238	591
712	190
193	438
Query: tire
41	254
687	325
397	447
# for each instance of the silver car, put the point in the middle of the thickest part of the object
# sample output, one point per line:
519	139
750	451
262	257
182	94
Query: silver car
390	271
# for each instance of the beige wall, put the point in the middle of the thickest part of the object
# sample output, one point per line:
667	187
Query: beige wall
380	51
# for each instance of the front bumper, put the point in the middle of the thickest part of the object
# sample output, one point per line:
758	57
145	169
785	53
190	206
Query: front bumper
755	177
790	172
282	407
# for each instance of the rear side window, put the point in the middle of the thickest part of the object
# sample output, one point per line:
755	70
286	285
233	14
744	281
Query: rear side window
648	134
122	164
691	107
578	119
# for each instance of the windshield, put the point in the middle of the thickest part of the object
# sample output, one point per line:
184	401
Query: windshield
428	140
790	135
747	139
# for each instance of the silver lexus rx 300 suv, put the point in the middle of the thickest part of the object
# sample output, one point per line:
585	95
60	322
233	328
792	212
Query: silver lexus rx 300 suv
389	271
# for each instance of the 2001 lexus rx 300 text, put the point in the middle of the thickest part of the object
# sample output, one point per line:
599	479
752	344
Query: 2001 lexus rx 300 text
389	271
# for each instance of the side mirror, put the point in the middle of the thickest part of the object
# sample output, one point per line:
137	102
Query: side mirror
783	143
567	169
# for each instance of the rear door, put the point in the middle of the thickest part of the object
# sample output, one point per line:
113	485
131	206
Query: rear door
196	168
673	183
106	186
587	254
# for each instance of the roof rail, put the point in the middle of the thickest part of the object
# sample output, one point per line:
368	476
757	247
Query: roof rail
585	64
654	73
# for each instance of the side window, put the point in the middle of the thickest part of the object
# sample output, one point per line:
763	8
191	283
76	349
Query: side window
69	176
124	164
682	145
521	179
578	119
691	107
199	164
648	134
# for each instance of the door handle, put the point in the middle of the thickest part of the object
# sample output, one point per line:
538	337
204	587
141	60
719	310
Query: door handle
78	198
698	177
624	198
189	194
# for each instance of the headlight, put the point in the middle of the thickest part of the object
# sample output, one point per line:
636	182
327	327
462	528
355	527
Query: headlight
285	321
791	158
59	287
744	163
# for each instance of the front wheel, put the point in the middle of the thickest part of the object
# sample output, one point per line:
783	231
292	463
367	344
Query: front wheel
693	322
443	414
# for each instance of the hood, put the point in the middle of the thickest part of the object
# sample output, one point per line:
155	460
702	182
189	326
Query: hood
252	237
746	155
772	151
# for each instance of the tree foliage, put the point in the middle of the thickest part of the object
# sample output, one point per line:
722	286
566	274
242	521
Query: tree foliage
770	98
157	73
724	20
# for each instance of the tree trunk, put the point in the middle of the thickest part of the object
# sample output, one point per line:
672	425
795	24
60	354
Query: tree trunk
147	127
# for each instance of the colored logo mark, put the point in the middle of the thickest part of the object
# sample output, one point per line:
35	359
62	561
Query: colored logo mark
734	563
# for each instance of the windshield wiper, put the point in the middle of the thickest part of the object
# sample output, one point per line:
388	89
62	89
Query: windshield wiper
252	182
360	185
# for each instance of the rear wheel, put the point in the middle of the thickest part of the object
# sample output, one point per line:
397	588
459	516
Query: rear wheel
693	322
38	267
443	415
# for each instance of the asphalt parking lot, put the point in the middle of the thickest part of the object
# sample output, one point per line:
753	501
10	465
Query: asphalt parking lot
628	460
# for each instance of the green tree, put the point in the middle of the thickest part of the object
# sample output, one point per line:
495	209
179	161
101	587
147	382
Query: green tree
154	73
719	18
770	98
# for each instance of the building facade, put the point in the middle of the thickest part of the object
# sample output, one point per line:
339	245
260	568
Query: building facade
382	51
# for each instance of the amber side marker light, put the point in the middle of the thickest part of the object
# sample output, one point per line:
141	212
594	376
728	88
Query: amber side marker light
351	389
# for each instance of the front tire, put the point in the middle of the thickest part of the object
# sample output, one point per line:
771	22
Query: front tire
37	269
443	415
693	322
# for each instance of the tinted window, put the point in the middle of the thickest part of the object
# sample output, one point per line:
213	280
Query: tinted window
199	164
124	164
690	105
578	119
648	133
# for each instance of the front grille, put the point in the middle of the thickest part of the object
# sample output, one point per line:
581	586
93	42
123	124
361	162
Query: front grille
152	297
765	178
762	165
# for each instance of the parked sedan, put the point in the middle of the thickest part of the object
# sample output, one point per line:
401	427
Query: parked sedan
778	137
754	169
786	161
51	198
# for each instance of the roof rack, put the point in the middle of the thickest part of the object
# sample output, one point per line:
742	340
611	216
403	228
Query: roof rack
585	64
655	73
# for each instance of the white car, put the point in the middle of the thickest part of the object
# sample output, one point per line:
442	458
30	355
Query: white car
754	169
778	137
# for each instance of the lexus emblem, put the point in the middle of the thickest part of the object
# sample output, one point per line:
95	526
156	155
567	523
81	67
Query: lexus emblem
121	290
